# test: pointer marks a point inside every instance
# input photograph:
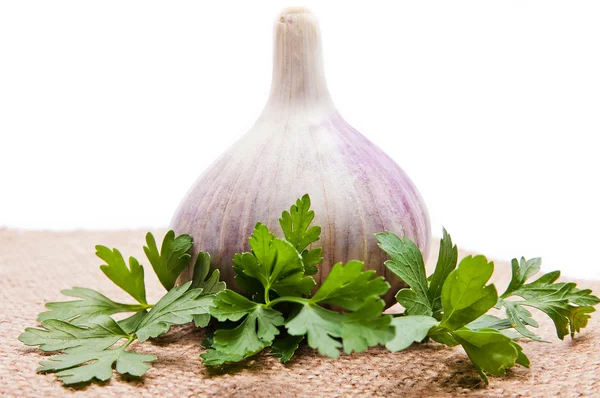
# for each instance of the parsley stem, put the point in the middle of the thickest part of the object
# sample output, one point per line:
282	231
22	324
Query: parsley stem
278	300
130	340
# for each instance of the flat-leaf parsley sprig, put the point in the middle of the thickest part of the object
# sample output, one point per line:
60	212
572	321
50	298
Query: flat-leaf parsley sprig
450	306
92	342
282	310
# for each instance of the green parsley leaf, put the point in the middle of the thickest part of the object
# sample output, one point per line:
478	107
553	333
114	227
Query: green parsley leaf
80	312
320	327
446	263
57	335
129	279
348	286
558	300
487	321
464	294
212	357
285	347
522	272
409	329
210	285
519	317
578	318
407	262
199	279
490	351
295	225
275	263
366	327
76	367
172	259
130	324
358	330
442	336
257	330
248	284
179	306
312	258
86	354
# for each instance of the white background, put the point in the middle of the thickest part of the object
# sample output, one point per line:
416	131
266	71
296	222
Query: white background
110	110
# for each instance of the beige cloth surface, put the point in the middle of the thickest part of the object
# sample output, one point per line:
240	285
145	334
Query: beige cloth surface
35	266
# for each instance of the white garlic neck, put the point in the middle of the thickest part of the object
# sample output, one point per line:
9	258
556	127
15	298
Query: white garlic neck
298	75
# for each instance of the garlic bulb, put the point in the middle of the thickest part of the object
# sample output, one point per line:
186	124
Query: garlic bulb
300	144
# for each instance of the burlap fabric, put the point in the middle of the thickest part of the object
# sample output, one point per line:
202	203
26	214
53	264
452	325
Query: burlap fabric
35	266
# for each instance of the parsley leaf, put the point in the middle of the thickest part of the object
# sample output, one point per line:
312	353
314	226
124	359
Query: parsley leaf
366	327
320	327
464	294
348	286
83	366
295	225
578	318
57	335
358	330
212	357
409	329
129	279
80	312
199	279
566	305
257	331
407	262
210	285
522	272
179	306
487	321
172	259
446	263
86	350
490	351
285	347
131	323
89	350
275	263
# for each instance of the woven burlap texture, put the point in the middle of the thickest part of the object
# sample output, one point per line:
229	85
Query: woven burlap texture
35	266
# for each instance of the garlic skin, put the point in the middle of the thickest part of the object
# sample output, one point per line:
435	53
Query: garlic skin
300	144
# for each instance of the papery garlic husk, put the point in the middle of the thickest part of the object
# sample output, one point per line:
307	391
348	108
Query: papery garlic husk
300	144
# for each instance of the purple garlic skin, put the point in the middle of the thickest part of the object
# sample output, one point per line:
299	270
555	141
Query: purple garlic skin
300	144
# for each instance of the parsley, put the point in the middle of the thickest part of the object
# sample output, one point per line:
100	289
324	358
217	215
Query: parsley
281	309
407	262
295	225
80	312
451	305
86	350
285	347
567	306
172	258
92	342
276	275
129	279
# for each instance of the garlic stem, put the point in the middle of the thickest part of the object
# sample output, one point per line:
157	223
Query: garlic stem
298	73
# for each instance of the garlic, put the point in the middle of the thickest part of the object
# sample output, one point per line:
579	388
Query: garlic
300	144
